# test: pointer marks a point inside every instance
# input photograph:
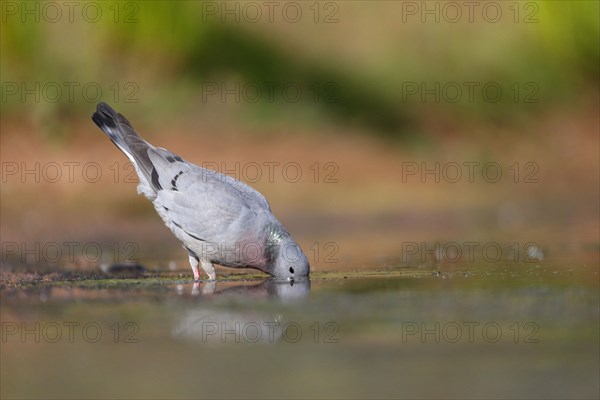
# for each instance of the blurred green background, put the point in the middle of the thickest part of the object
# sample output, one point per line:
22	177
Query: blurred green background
368	52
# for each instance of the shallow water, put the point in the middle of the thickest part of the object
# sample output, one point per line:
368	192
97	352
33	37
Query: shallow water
528	331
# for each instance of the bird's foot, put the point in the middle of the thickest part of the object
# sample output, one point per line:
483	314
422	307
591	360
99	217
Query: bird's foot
209	269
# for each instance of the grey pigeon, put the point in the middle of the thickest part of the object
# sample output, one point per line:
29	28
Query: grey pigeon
218	218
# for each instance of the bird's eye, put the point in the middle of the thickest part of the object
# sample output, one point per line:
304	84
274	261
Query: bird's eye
291	270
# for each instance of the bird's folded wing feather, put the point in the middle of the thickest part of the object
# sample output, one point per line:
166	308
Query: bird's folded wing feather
206	205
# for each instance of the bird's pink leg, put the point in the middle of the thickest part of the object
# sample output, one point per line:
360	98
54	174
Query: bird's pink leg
195	270
209	269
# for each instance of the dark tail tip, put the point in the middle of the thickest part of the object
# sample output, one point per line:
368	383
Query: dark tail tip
106	116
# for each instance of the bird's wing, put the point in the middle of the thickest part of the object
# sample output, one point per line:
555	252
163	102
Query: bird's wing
206	205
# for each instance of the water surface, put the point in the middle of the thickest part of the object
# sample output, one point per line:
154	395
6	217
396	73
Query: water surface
518	331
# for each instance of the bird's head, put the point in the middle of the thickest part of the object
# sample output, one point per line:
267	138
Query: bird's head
286	259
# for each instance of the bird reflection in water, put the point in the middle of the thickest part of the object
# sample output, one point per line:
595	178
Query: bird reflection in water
218	324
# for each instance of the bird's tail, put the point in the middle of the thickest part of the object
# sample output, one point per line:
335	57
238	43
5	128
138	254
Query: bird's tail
121	133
